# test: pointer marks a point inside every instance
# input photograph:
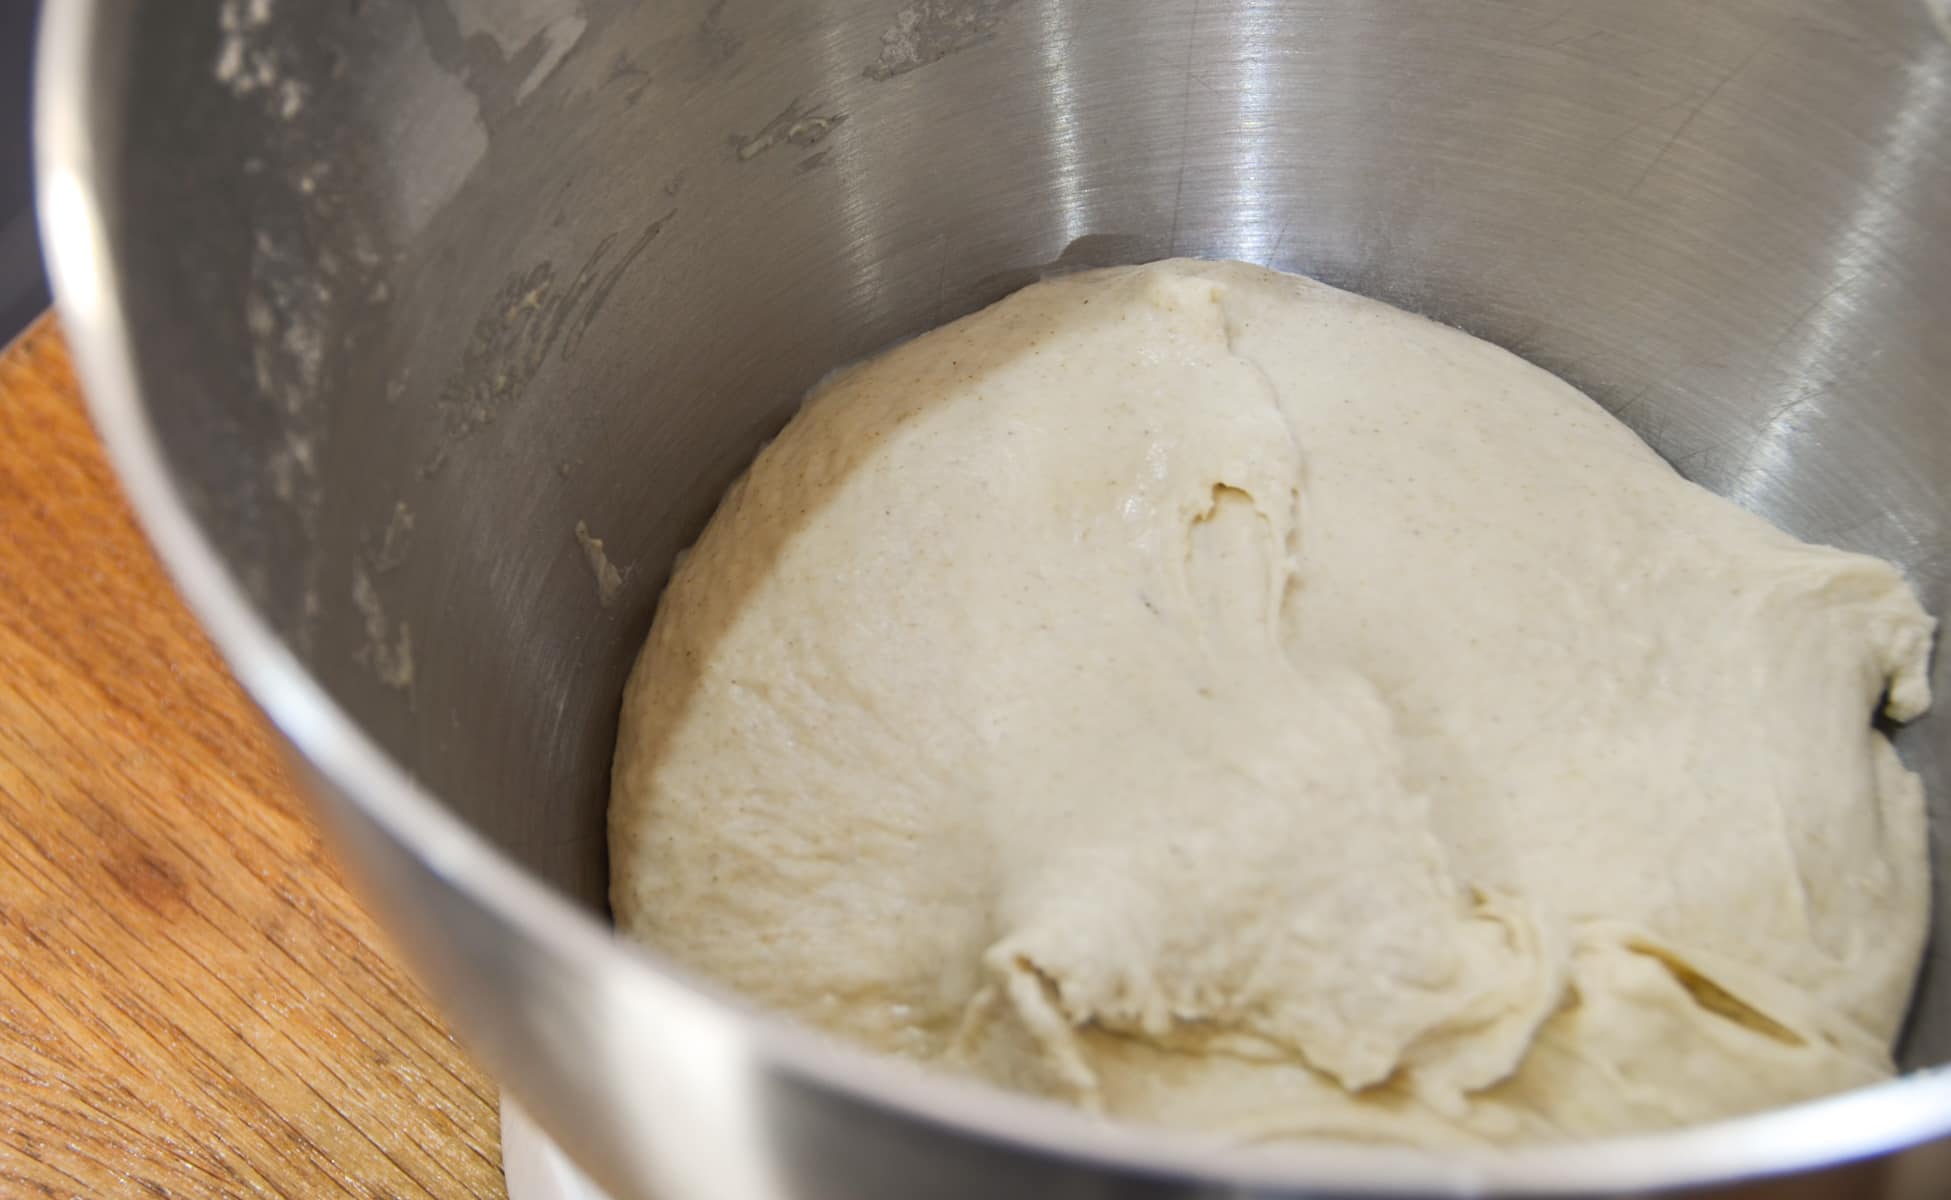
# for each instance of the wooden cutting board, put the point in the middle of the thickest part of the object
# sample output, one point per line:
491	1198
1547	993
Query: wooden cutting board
191	1004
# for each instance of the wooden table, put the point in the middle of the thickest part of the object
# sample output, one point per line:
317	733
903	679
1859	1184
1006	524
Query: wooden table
191	1004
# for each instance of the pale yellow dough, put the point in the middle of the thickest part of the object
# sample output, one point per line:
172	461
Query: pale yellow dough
1227	702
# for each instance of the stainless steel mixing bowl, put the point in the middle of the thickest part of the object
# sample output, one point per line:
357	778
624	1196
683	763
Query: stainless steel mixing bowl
425	334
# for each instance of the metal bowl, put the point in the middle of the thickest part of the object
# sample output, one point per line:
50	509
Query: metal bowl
424	335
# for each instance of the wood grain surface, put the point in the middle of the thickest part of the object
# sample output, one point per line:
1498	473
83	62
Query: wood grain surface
191	1004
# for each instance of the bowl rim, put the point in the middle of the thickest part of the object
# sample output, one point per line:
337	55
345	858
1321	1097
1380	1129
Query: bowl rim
1832	1131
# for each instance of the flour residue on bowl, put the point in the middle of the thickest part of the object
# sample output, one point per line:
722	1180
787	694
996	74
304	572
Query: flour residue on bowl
609	580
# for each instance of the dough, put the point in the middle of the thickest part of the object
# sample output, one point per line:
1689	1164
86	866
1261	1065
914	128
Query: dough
1219	700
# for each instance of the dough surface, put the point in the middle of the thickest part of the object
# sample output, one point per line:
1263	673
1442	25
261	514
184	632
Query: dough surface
1222	701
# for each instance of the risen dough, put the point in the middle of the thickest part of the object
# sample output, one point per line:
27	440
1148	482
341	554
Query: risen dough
1212	697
